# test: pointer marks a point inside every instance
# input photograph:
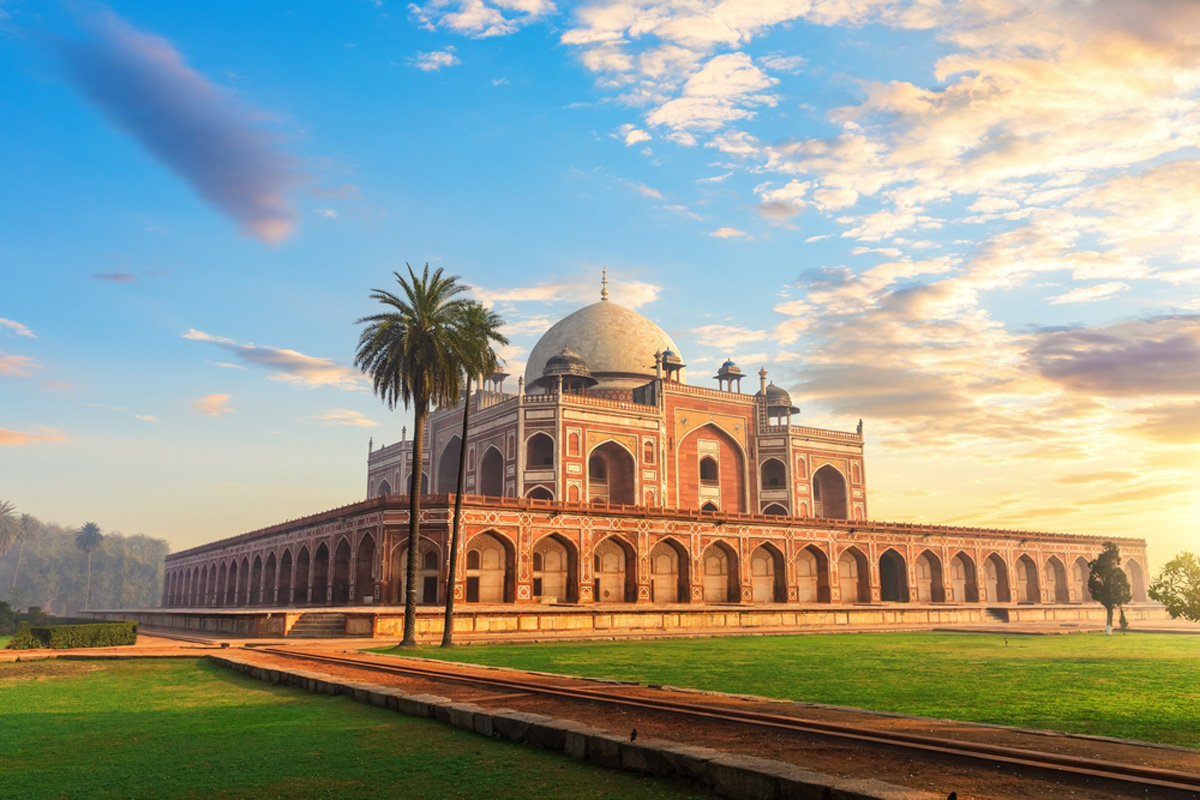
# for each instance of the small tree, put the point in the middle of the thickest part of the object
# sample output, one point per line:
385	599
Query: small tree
1107	582
1178	587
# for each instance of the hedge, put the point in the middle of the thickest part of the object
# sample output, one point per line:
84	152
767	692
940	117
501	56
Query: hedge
64	637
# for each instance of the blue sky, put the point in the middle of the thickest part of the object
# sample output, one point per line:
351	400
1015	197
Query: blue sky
971	224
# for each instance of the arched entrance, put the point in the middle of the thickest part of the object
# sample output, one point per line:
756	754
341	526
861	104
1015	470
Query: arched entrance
893	583
539	452
300	583
364	568
385	488
668	572
1079	576
320	576
773	474
555	570
1027	581
489	565
341	572
767	584
1057	590
269	577
611	475
284	593
812	575
613	571
491	473
244	588
962	579
231	590
829	493
1137	580
222	576
447	466
429	572
256	573
720	572
995	573
712	469
930	587
854	577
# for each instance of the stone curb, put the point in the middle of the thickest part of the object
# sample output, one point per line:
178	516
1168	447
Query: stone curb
727	774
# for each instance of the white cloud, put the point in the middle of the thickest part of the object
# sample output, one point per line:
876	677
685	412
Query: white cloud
631	134
432	62
730	233
11	438
726	338
1090	294
213	405
629	293
480	19
290	365
725	89
146	417
343	416
17	328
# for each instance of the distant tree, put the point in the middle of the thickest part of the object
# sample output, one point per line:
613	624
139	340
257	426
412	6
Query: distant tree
8	531
25	530
1107	582
1178	587
413	353
482	329
89	540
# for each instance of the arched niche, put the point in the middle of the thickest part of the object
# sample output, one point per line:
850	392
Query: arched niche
539	452
284	592
540	493
385	488
1027	581
669	572
612	475
829	493
995	575
490	569
320	575
930	586
246	579
1137	580
490	480
270	576
301	580
1055	575
775	510
719	567
767	575
364	570
893	578
963	580
773	474
614	571
429	572
341	572
712	469
1079	576
555	570
854	576
812	575
447	465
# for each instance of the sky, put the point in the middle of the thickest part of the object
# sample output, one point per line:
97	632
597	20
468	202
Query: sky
974	225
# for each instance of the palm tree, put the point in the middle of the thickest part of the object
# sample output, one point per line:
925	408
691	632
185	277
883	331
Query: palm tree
24	533
413	353
482	329
7	531
89	540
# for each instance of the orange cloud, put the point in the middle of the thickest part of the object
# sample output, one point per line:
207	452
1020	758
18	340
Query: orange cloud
9	438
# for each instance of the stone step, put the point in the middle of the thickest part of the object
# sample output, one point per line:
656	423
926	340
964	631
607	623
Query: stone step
319	626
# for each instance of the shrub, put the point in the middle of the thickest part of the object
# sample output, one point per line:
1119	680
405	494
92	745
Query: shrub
8	619
65	637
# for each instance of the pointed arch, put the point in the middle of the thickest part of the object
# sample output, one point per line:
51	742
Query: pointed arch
430	583
364	570
1028	590
963	579
202	595
231	594
490	479
931	587
1137	580
775	510
773	474
995	573
612	474
812	575
540	493
893	577
1055	574
385	489
710	466
719	566
669	572
854	576
447	465
320	575
301	581
1079	576
556	569
341	572
283	592
768	582
491	568
614	569
270	575
539	451
829	493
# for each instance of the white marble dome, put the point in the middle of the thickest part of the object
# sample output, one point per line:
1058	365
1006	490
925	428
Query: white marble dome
618	345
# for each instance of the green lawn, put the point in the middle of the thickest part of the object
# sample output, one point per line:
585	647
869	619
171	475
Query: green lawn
4	641
1138	686
188	729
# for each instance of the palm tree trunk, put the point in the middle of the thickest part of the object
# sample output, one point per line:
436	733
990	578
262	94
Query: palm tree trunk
87	603
17	568
452	573
420	412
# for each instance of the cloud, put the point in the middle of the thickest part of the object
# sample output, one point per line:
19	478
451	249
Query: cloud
727	337
1090	294
1171	423
17	365
1158	356
16	327
344	416
114	277
146	417
213	405
9	438
214	142
644	190
289	365
631	134
629	293
777	210
730	233
1107	476
432	62
479	19
723	90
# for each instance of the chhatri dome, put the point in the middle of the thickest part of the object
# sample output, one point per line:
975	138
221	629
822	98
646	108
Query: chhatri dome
616	344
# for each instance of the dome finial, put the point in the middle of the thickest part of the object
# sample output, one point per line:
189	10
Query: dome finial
604	283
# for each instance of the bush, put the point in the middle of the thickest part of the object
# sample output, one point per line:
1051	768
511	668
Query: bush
8	619
65	637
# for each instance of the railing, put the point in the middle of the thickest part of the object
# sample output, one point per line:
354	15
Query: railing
704	391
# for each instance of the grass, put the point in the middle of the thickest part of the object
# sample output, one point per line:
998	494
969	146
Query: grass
1136	686
187	729
4	641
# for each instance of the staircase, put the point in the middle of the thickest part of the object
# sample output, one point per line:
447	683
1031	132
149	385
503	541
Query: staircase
998	614
319	626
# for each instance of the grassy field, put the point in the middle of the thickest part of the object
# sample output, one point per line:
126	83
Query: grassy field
187	729
1138	686
4	641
